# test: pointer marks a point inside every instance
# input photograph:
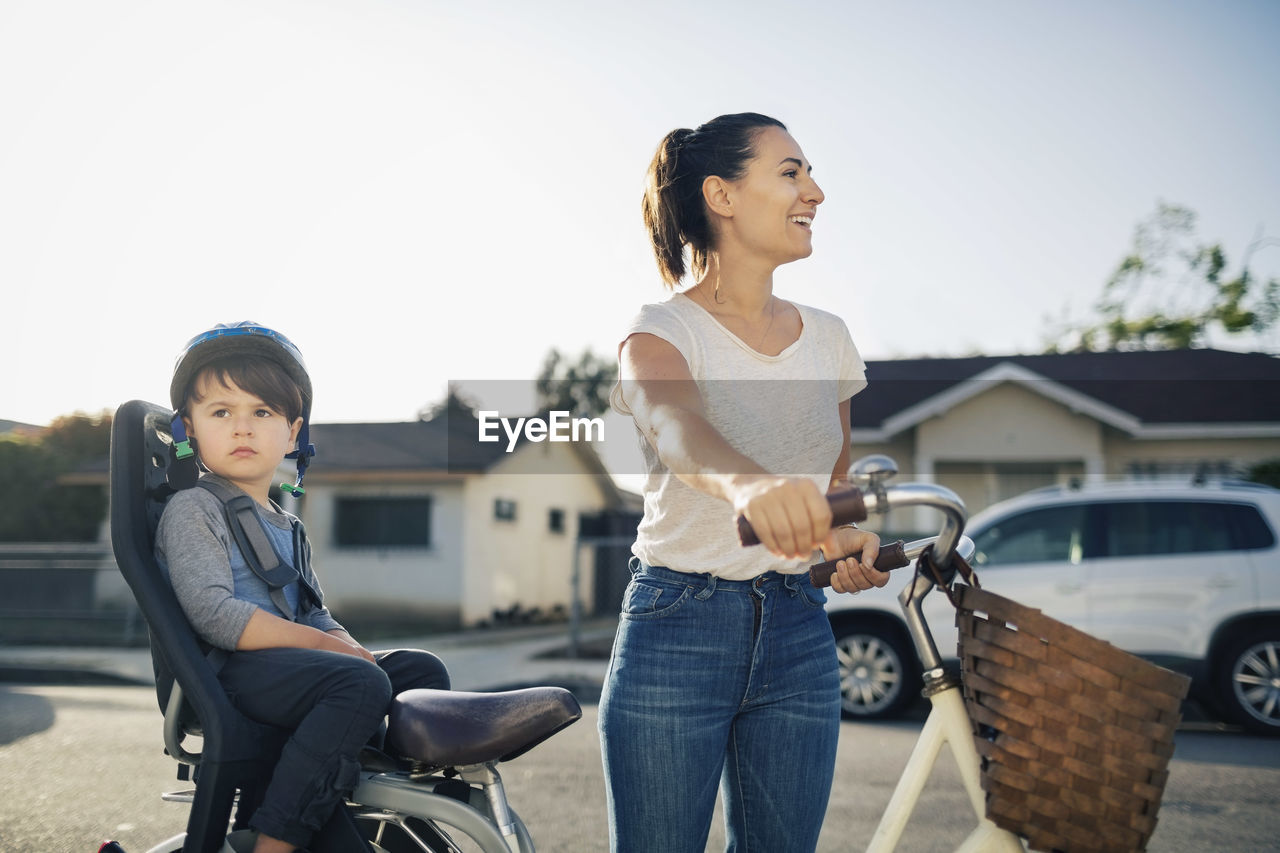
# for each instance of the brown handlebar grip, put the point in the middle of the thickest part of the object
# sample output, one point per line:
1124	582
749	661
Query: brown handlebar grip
892	556
847	507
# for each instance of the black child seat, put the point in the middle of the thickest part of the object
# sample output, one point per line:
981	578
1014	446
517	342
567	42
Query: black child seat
237	754
430	729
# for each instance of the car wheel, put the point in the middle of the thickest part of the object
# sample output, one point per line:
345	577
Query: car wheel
878	673
1249	682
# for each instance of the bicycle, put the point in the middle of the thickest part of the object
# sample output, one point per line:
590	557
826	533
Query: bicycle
983	722
431	786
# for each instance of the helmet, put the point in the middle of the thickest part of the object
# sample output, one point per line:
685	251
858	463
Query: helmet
245	338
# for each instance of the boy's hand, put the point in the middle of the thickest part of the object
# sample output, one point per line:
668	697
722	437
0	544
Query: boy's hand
354	648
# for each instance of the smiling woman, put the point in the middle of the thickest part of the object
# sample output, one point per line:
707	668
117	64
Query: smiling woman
724	663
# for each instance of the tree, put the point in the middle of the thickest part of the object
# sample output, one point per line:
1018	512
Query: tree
1267	472
580	387
1172	291
34	506
455	402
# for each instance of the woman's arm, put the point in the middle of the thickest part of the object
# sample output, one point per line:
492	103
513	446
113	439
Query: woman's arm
789	513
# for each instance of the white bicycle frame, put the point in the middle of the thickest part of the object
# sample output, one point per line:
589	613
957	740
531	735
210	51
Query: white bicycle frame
948	721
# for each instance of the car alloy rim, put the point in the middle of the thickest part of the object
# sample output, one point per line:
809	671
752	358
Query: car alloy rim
1256	679
870	673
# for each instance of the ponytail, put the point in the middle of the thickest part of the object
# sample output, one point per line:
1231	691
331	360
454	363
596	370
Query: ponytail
674	213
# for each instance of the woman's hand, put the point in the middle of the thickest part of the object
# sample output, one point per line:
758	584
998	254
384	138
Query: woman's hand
789	514
851	575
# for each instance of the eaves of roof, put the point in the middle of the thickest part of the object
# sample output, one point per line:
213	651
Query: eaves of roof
1148	395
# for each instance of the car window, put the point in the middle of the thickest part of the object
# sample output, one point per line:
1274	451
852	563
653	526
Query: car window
1250	530
1052	534
1137	528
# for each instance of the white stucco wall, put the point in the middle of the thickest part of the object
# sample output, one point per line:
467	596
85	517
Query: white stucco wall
521	562
1006	425
1010	423
1123	451
402	580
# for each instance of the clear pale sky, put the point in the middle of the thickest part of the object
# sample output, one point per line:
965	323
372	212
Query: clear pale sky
417	192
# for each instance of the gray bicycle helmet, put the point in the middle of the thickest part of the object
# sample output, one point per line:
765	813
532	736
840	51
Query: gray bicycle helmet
248	339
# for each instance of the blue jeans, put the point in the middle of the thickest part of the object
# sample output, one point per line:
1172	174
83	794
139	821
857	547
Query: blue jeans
728	683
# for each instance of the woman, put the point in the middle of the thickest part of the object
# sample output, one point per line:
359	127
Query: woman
724	668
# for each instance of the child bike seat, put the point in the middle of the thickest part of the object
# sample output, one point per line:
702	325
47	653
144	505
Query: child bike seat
237	754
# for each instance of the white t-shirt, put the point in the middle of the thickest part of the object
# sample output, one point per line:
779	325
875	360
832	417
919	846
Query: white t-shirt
782	411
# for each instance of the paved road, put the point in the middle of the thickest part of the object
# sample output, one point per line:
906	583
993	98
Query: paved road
79	763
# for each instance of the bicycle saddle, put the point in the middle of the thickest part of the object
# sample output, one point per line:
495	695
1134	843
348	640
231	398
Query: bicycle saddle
449	728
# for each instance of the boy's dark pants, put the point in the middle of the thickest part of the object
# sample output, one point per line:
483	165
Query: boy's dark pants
334	703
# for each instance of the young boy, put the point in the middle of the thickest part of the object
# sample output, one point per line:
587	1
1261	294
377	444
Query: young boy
243	396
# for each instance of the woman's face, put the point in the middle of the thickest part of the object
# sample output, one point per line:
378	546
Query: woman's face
774	202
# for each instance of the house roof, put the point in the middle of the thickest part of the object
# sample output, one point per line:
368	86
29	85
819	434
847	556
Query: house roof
446	443
1150	393
19	428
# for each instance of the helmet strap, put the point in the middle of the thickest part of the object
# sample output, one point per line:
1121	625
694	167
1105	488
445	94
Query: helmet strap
303	454
182	448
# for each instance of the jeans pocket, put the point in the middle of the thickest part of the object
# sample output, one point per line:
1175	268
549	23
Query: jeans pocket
652	599
811	595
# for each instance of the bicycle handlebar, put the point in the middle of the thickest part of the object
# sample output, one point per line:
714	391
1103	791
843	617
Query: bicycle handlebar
893	555
849	506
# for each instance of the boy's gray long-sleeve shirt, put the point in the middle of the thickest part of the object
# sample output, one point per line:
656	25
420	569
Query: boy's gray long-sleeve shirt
215	586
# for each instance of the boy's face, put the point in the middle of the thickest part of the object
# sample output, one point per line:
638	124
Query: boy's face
238	436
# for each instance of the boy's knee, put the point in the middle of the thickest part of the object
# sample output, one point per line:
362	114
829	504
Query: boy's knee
412	669
368	681
378	685
433	671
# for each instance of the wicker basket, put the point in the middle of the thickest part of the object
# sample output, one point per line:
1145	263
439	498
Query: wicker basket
1075	734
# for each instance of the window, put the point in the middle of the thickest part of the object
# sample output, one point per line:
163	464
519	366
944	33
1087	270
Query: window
555	520
400	522
1138	528
1053	534
504	510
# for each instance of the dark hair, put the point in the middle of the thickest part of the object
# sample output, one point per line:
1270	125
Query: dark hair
262	377
673	210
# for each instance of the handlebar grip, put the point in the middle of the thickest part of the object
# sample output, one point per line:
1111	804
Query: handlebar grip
847	507
892	556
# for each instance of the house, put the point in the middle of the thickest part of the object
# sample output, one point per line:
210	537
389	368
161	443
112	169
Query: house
422	523
990	427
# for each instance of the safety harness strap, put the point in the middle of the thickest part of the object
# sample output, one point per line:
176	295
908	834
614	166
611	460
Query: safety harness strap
247	528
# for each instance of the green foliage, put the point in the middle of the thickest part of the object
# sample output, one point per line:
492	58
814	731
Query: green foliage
1171	292
580	387
455	403
34	505
1267	472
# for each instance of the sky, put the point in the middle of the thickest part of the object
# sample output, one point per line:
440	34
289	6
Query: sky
421	192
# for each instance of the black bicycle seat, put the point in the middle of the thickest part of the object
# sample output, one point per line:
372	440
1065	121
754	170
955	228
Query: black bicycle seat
448	728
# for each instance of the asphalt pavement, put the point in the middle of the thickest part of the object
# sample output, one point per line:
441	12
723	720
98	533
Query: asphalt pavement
80	763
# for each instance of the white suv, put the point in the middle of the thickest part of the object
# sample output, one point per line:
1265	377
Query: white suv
1187	576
